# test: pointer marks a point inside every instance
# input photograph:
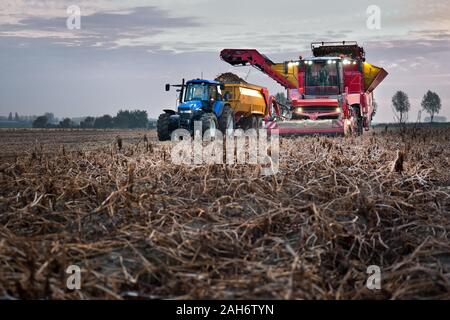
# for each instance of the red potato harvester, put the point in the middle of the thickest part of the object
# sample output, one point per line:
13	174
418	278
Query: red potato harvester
328	93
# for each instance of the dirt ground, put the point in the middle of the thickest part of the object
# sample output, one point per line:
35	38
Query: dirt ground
139	226
18	142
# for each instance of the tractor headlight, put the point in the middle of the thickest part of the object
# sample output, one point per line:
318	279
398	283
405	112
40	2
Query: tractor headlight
338	109
186	111
299	110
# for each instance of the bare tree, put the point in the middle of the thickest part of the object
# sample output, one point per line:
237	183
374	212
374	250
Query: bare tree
431	103
375	108
401	106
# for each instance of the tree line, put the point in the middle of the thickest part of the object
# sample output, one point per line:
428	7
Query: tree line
124	119
15	118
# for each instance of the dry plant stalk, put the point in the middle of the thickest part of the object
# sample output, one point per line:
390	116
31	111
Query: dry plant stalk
219	232
119	142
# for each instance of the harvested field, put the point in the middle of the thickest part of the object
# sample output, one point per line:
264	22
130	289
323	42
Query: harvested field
20	142
140	227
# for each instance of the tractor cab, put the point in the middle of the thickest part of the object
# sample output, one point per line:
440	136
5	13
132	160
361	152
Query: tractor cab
199	101
200	95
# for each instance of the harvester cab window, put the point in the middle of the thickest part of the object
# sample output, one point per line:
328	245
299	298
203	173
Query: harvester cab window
322	78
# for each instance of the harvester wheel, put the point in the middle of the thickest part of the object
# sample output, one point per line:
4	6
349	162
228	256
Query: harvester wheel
163	127
209	122
358	121
226	121
360	127
348	125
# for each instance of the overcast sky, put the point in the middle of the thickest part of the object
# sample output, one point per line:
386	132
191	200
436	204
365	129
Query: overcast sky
126	51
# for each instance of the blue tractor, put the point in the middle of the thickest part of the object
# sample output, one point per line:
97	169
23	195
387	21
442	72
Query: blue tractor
200	100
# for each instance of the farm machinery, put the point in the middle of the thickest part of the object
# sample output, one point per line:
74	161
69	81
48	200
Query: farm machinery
330	92
218	104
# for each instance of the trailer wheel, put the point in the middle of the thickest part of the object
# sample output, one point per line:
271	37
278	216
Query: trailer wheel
209	122
163	127
226	121
256	122
253	122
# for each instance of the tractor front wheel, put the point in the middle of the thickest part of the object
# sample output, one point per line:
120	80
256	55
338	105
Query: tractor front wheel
209	122
163	127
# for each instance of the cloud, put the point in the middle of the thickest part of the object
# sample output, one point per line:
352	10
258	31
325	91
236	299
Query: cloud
13	11
101	28
127	50
139	18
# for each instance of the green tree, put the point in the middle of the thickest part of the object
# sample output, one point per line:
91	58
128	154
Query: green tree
401	106
50	117
431	103
87	123
16	117
122	119
139	119
66	123
10	117
126	119
106	121
40	122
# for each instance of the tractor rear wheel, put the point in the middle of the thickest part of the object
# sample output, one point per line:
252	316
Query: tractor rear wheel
226	121
209	122
163	127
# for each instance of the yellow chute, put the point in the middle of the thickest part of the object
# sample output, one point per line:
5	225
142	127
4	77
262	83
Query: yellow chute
373	76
